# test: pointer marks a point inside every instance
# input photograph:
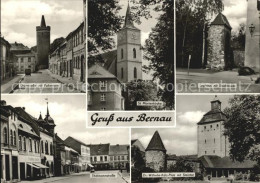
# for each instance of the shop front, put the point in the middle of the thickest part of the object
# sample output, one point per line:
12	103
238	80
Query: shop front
31	167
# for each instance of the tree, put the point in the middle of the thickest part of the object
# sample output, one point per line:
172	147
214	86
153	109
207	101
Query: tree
194	16
141	91
159	47
103	22
242	127
238	39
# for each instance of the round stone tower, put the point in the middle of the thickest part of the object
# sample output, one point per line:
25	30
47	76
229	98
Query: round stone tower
155	154
43	45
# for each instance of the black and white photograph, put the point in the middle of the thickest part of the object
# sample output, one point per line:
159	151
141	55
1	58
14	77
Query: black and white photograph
42	142
216	138
217	46
130	55
43	46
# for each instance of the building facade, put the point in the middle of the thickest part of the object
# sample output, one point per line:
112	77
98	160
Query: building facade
6	58
155	154
43	44
119	157
25	61
252	41
211	140
104	91
83	150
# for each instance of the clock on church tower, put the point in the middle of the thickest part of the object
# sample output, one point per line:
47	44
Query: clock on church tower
129	56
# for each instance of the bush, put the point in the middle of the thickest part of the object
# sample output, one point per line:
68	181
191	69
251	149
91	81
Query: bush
239	176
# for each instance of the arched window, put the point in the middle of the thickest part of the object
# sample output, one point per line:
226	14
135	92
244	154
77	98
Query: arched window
134	53
30	145
14	138
122	53
24	143
5	136
122	72
135	73
42	147
46	147
11	135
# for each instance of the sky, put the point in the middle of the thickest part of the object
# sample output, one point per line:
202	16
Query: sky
19	18
69	115
236	12
182	140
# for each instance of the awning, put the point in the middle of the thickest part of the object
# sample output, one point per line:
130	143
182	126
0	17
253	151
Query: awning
90	165
33	165
40	165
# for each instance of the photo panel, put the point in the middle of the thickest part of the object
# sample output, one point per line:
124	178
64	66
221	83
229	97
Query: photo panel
130	63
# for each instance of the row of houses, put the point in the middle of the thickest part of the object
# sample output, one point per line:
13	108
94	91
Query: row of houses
68	59
30	148
15	59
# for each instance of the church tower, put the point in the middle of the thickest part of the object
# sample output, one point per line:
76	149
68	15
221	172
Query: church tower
155	153
129	56
43	44
211	140
50	122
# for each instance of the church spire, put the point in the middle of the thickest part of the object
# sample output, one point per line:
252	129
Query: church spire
43	24
128	17
48	114
40	117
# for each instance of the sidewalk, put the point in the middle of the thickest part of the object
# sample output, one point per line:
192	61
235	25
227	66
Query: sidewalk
53	179
69	82
125	176
8	85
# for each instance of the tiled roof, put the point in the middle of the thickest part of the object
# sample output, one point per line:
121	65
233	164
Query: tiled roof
18	46
213	116
71	139
97	71
156	143
118	149
225	162
99	149
221	20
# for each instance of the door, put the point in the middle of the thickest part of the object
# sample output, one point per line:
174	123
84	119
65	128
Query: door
15	167
7	167
22	171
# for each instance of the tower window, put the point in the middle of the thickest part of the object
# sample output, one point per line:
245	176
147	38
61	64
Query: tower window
134	53
214	141
217	125
122	73
205	152
214	151
122	53
205	141
135	73
205	127
103	97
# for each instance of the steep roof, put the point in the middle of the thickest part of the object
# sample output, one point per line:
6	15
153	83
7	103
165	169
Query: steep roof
225	162
99	149
71	140
118	149
97	71
213	116
156	143
129	19
221	20
43	24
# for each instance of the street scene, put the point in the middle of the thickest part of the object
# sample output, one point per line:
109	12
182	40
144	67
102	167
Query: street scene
52	62
41	142
221	52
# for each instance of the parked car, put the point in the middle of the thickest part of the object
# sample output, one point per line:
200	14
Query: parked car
28	72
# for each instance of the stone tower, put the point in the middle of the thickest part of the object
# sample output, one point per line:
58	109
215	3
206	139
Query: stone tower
43	44
155	154
219	48
252	42
129	56
210	138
